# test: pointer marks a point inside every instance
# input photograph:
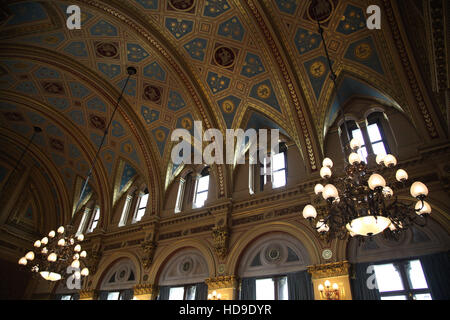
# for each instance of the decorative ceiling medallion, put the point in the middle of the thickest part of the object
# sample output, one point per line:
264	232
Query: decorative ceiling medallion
320	10
57	144
273	253
97	122
107	49
53	87
224	57
228	106
152	93
327	254
264	91
182	5
317	69
186	266
363	51
186	123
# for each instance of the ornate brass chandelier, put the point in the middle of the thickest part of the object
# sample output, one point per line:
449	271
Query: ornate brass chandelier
53	255
362	203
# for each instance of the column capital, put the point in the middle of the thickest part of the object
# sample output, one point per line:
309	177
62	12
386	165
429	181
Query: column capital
334	269
222	282
88	294
145	288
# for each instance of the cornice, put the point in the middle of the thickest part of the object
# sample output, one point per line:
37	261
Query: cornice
335	269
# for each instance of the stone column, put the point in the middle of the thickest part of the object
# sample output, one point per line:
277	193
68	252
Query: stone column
145	291
337	272
226	286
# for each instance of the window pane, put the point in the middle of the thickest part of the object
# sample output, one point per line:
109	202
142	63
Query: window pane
416	276
190	294
283	289
363	154
144	200
394	298
378	148
113	296
278	162
279	179
97	214
374	133
140	213
423	296
358	134
265	289
388	278
200	199
66	297
176	293
203	184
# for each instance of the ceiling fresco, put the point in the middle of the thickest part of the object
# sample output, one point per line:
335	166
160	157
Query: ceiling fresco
227	63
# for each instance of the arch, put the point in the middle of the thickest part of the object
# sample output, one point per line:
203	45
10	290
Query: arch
298	231
120	274
165	256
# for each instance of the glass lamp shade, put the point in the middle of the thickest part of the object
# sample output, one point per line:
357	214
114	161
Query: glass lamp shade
322	227
77	248
368	225
61	230
23	261
76	256
380	158
418	189
327	284
318	189
80	237
52	276
330	192
393	227
85	272
30	256
75	264
327	162
52	234
44	250
61	242
52	257
325	172
44	240
423	208
355	144
309	212
210	296
83	254
388	192
37	244
335	286
401	175
321	288
376	181
390	161
354	158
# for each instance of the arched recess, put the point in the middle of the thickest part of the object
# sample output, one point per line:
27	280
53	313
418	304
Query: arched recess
109	262
273	254
305	236
164	254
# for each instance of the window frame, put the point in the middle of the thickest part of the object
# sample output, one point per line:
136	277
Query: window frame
91	227
284	152
374	118
138	206
125	210
276	285
402	268
196	193
121	293
180	196
185	290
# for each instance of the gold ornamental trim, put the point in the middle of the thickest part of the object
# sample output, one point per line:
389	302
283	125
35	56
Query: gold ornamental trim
222	282
88	294
334	269
145	288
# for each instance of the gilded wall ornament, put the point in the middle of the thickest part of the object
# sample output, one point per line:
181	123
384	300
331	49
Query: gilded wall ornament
149	248
220	238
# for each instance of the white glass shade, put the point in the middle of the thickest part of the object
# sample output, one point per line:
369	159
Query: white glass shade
423	208
318	189
325	172
52	276
61	242
83	254
354	158
37	244
52	257
23	261
393	227
210	296
61	229
335	286
77	274
329	192
418	189
376	181
327	283
388	192
321	288
80	237
72	240
76	256
44	250
380	158
52	234
44	240
390	161
355	144
322	227
30	256
327	162
75	264
309	212
368	225
401	175
219	296
77	248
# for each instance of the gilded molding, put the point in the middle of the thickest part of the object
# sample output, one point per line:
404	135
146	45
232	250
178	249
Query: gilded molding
221	237
149	248
88	294
145	288
334	269
222	282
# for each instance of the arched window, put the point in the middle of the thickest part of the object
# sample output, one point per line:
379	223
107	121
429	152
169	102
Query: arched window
126	210
119	281
201	189
276	170
141	206
95	219
180	196
376	133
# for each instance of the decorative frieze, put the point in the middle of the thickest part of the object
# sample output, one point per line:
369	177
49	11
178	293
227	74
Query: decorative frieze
145	288
149	248
222	282
328	270
88	294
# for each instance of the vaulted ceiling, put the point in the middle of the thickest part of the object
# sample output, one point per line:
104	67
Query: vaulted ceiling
227	63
